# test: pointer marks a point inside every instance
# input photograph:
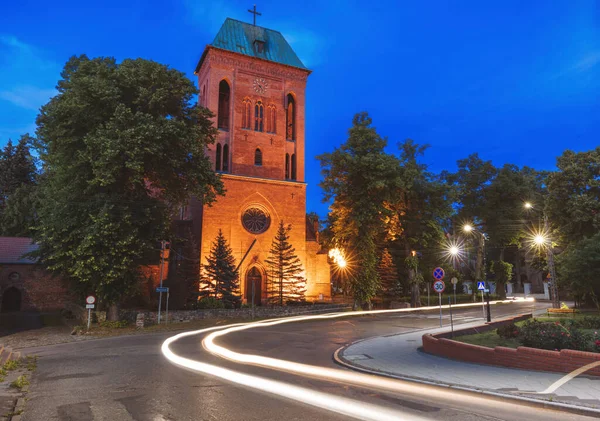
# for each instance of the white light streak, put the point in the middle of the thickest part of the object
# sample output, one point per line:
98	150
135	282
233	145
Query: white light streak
345	406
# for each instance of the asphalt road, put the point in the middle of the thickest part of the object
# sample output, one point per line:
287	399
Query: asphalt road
128	378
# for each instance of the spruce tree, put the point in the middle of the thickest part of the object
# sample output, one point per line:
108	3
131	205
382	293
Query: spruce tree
285	269
220	273
388	275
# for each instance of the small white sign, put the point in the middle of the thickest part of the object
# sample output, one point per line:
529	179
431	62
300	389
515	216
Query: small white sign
90	299
454	281
89	306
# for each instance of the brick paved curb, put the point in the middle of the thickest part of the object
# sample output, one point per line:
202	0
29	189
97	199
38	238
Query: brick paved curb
7	354
338	358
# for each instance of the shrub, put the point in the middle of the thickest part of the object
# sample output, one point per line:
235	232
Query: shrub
508	331
11	365
210	303
554	336
113	325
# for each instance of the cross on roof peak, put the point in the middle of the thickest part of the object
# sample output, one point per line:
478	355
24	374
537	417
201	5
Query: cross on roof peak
254	12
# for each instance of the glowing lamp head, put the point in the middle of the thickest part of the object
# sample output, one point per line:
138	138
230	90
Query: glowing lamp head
454	250
528	205
539	239
467	228
338	257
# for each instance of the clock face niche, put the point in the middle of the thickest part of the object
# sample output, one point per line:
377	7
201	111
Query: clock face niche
260	85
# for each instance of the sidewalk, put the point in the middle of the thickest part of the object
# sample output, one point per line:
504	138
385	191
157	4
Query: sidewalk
399	356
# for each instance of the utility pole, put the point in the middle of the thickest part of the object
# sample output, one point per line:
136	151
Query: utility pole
162	264
551	269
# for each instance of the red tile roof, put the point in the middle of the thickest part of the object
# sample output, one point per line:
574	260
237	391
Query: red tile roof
12	250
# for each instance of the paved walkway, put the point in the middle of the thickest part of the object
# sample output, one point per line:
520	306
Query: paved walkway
399	356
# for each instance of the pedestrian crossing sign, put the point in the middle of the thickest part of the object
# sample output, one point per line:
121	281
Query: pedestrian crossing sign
480	286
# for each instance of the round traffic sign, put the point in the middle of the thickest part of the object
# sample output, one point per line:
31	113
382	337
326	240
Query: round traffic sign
454	281
90	299
438	273
439	286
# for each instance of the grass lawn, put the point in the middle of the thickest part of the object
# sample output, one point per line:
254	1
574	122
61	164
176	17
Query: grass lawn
490	339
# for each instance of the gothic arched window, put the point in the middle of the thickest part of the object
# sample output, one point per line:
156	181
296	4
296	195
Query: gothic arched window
290	118
218	158
259	112
293	166
271	118
246	113
223	112
225	165
257	157
287	166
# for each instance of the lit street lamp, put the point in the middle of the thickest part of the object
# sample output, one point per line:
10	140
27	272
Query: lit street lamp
543	240
468	228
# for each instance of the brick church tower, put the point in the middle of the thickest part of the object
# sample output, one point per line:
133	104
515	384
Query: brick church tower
255	85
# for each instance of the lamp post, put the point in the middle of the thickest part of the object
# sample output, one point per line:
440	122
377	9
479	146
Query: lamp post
468	228
542	239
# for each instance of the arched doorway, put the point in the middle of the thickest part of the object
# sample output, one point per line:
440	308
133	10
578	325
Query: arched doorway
254	277
11	300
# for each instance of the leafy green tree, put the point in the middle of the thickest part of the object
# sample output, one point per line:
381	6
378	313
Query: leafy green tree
18	179
502	274
285	269
388	274
574	195
579	268
123	148
358	178
221	275
420	206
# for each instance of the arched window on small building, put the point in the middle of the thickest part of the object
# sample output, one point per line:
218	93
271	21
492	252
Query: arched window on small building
257	157
290	118
223	111
271	118
287	166
218	158
293	166
225	165
259	112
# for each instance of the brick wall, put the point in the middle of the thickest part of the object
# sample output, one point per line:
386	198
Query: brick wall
525	358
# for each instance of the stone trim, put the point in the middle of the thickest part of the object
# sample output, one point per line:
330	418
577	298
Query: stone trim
524	358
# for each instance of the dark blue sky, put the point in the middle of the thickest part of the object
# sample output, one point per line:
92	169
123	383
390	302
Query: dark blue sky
515	81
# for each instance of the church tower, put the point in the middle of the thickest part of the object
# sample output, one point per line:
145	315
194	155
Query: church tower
254	83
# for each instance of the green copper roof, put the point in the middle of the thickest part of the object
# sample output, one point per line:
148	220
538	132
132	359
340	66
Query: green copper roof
239	37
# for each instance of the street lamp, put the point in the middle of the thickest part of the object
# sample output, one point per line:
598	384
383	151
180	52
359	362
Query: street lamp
468	228
542	239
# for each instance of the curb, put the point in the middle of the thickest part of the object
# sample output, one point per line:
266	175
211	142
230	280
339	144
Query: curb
540	403
19	407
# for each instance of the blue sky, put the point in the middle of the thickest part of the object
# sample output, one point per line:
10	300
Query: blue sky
514	81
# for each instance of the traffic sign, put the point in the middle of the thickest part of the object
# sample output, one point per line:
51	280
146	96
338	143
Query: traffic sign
90	299
438	273
454	281
89	306
480	286
162	289
439	286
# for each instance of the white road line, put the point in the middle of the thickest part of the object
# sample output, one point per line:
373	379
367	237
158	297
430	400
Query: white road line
569	377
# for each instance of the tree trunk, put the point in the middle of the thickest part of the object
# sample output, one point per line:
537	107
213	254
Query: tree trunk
112	314
415	293
500	290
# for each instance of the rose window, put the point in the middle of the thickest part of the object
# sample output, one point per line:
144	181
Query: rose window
255	220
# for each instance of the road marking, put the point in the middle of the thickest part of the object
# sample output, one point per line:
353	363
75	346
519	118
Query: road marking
569	377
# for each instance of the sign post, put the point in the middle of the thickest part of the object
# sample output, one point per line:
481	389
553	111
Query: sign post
439	287
481	287
89	304
454	282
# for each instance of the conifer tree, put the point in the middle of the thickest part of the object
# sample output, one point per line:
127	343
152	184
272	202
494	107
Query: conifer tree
285	269
388	275
220	273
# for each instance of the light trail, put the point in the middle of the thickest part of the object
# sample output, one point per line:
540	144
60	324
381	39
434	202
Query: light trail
345	406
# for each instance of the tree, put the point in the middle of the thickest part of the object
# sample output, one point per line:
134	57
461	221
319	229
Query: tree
389	276
574	195
502	274
285	269
420	205
122	148
358	178
18	179
579	269
221	275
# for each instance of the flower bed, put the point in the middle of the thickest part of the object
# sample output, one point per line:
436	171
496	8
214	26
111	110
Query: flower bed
550	336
